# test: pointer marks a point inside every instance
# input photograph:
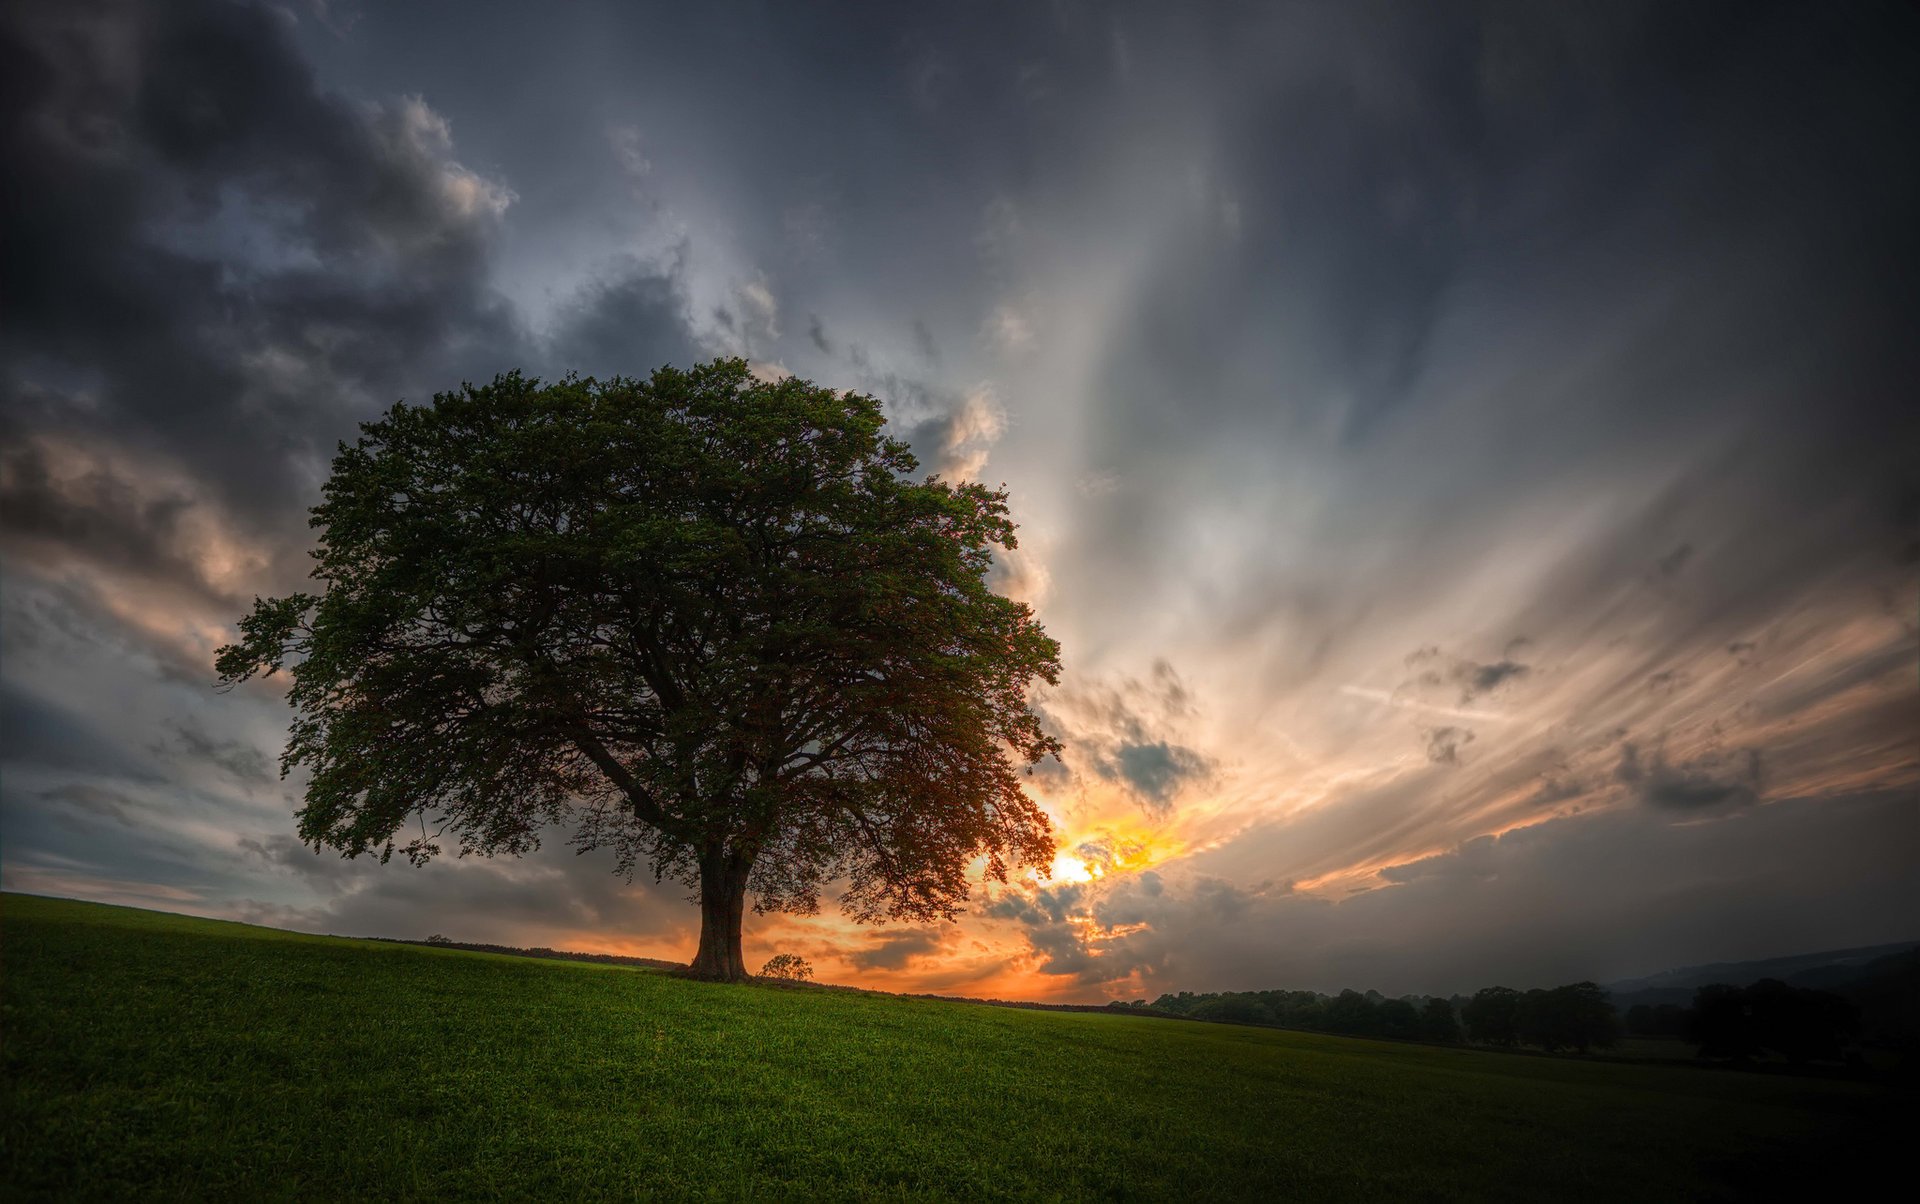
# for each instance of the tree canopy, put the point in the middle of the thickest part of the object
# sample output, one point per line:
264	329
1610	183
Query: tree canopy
712	623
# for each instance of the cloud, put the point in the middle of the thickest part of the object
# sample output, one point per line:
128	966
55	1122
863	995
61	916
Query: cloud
1476	680
923	343
1443	922
65	499
1474	858
960	438
93	800
221	265
1154	772
1444	744
626	323
238	760
1300	341
896	950
1125	732
550	898
1712	779
1669	566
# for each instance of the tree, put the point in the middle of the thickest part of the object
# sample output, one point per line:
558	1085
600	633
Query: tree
1237	1008
1437	1021
1350	1012
1795	1022
788	967
1537	1024
709	622
1586	1017
1492	1016
1397	1018
1656	1020
1720	1023
1576	1016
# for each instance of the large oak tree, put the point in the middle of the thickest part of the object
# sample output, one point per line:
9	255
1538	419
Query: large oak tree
711	622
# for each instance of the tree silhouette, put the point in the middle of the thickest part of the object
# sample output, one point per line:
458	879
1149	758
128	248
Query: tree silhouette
1577	1016
1492	1016
709	622
1770	1016
1437	1021
1397	1018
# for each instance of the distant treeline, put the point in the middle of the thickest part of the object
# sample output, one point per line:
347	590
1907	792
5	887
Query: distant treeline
1576	1016
1766	1019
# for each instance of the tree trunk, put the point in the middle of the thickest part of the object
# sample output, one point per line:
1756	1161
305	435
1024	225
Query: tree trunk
723	902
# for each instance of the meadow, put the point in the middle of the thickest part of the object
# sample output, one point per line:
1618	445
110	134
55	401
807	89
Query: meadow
156	1056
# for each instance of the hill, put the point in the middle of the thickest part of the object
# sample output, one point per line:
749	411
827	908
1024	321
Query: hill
154	1055
1834	969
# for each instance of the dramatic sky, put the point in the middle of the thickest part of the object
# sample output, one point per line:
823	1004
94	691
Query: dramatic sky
1469	453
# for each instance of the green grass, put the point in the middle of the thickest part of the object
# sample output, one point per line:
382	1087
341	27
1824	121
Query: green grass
154	1056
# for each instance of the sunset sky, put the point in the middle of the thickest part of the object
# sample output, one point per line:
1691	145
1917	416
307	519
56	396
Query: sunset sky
1469	454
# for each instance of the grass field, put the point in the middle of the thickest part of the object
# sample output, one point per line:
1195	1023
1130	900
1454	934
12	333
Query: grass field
153	1056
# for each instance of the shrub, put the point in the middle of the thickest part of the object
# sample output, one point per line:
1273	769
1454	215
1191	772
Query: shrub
787	967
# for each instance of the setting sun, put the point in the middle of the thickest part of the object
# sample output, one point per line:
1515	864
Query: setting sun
1068	868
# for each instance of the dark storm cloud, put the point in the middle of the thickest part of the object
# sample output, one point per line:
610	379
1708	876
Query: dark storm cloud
1713	779
818	334
627	325
215	267
243	762
550	897
1425	151
924	343
1155	772
39	732
1671	564
1122	732
216	261
1754	882
284	853
1473	859
99	515
1304	335
1481	679
894	950
92	800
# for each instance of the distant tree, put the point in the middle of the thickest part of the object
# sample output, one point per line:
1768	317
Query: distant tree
1397	1018
1492	1016
1720	1023
1437	1021
1238	1008
1536	1020
1801	1024
711	622
1577	1016
1585	1017
1886	995
1656	1020
1797	1023
1350	1012
789	967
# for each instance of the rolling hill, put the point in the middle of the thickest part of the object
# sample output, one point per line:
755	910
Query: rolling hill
150	1055
1832	970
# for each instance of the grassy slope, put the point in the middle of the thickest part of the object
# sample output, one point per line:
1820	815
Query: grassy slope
179	1057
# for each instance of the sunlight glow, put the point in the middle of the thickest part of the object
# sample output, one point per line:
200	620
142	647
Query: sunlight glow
1068	868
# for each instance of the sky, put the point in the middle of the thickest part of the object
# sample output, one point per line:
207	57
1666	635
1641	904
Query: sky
1468	453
